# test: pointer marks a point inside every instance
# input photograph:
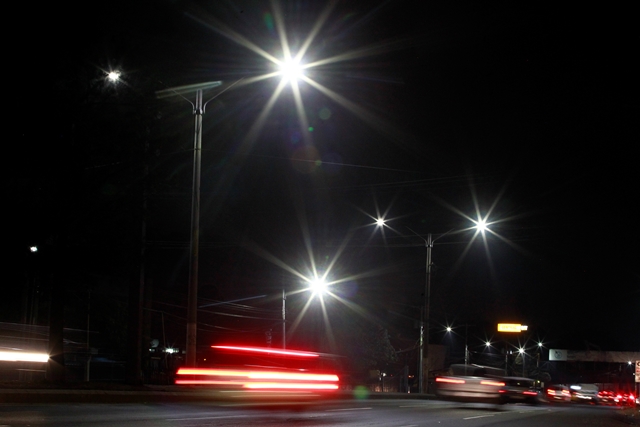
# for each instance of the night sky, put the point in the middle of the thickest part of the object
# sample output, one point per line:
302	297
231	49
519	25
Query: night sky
431	115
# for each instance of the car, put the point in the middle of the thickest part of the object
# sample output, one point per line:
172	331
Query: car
606	397
558	393
519	390
624	399
584	393
470	383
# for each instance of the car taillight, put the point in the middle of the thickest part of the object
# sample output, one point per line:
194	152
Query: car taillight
551	392
530	393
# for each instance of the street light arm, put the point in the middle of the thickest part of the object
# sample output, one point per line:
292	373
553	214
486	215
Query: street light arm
425	240
231	302
204	106
164	93
432	240
443	234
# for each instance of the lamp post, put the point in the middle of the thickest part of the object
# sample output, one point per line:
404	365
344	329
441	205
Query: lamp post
423	365
291	70
424	348
284	320
198	111
316	286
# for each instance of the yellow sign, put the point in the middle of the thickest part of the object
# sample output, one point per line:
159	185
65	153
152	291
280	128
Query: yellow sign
511	327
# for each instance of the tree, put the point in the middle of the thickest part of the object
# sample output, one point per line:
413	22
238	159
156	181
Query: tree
369	348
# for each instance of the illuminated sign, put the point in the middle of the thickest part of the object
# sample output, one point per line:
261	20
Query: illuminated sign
558	355
638	371
511	327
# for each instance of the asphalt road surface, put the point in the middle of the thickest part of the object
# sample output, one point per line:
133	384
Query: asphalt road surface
397	413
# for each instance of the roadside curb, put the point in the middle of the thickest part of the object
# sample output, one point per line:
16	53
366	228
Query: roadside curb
630	416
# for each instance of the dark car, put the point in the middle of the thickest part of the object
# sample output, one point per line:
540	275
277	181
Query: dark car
606	397
519	390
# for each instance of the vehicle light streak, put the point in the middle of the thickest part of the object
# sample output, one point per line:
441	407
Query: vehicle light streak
209	382
449	381
20	356
494	383
295	353
292	376
258	379
212	372
303	386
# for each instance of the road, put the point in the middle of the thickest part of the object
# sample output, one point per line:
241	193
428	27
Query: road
396	413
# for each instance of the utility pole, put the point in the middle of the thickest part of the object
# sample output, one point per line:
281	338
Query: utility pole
427	302
284	320
466	347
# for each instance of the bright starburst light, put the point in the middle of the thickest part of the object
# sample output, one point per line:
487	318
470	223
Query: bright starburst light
481	226
291	70
294	67
318	286
113	76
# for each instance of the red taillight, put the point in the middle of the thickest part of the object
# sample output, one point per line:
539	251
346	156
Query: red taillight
449	380
551	392
530	393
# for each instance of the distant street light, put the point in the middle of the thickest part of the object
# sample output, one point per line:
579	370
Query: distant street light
522	354
423	366
113	76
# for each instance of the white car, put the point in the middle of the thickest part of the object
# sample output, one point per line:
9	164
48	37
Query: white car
585	393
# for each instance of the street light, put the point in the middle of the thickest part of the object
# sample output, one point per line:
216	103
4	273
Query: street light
522	354
318	286
423	366
199	108
291	70
113	76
